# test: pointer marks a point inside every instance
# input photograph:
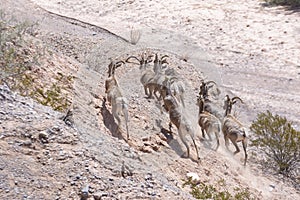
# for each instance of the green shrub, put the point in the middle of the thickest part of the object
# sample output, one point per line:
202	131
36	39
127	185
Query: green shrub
15	55
279	141
20	57
293	3
206	191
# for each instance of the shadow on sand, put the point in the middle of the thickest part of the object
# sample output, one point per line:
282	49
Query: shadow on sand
109	121
293	8
174	144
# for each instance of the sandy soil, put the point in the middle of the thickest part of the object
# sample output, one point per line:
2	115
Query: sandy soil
249	50
260	44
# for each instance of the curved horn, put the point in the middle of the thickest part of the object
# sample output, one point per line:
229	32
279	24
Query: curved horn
173	78
127	60
119	64
164	56
237	98
208	82
163	59
121	61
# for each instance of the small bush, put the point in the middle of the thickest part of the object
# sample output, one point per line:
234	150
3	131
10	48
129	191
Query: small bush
279	141
293	3
135	36
206	191
20	57
15	55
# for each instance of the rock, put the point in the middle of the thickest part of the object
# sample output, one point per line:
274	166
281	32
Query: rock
155	147
125	170
85	192
145	149
271	187
43	136
99	195
194	177
27	143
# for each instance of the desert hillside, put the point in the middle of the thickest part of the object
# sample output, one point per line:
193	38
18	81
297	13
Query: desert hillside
66	146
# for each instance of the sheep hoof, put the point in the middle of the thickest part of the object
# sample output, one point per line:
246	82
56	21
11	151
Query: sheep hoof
198	161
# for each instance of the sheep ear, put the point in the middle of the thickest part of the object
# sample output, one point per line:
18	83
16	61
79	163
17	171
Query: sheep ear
227	97
156	58
110	68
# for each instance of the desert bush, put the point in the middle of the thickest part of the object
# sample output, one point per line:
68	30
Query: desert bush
207	191
20	60
293	3
279	141
135	36
15	56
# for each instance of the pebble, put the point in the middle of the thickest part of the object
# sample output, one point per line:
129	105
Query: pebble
85	192
194	177
99	195
271	187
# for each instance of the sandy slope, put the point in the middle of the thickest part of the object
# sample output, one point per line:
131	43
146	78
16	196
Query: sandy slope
246	40
225	40
254	48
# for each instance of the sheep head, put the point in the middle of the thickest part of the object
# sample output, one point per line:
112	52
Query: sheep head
229	102
113	66
204	87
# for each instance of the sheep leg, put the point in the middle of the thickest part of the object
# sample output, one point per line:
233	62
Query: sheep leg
116	116
202	130
236	147
196	148
226	141
182	100
155	94
170	127
146	90
244	147
218	141
150	88
209	136
125	112
184	142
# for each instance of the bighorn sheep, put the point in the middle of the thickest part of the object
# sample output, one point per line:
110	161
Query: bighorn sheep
113	66
209	106
208	122
204	88
157	80
147	73
181	122
177	88
118	103
233	128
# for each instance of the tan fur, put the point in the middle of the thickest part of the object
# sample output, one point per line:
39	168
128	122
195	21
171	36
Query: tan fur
208	122
118	103
233	129
181	122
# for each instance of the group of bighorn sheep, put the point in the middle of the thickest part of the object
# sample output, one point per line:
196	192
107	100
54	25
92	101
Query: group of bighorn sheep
163	83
